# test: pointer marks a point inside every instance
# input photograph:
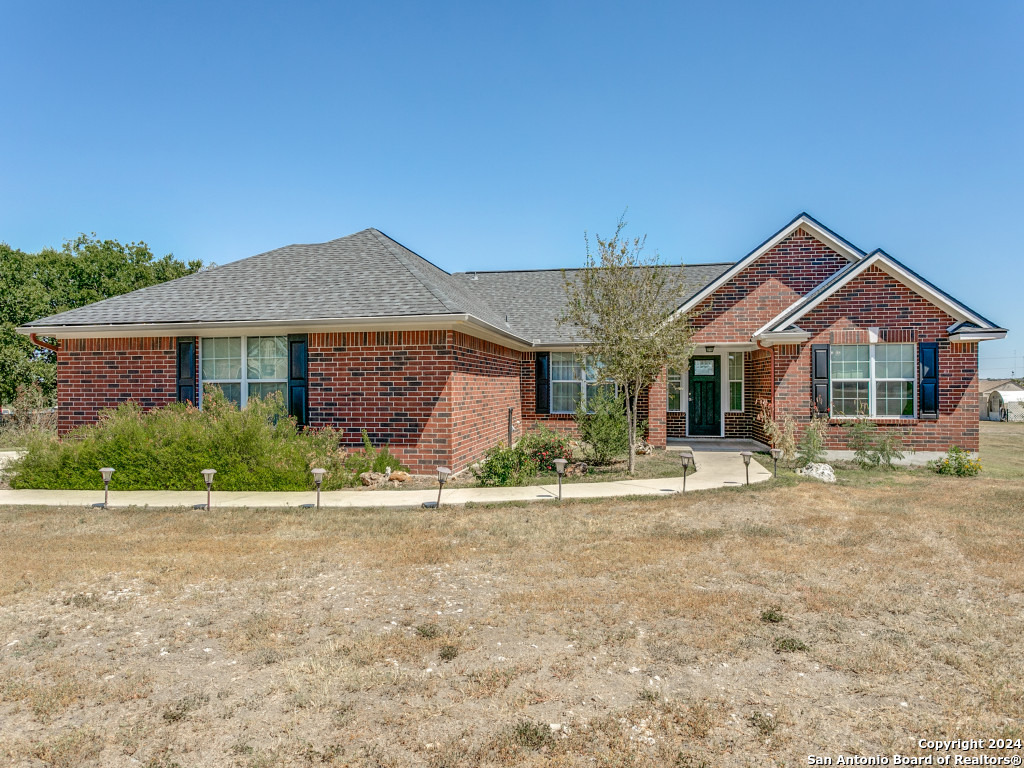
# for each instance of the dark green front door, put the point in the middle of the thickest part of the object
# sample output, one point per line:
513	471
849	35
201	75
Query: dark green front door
705	412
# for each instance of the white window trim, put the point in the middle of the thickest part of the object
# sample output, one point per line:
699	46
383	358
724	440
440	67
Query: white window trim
243	388
582	381
729	381
669	378
872	381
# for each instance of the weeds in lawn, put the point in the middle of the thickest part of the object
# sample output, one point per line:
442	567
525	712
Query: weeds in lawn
772	615
789	645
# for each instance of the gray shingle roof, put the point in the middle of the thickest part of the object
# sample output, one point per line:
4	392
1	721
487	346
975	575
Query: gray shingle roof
364	275
533	299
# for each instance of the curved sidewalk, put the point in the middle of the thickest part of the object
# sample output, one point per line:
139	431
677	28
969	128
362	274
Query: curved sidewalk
715	470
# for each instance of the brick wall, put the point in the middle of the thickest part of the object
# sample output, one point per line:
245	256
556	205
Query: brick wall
765	288
94	374
435	397
395	385
757	386
485	384
875	299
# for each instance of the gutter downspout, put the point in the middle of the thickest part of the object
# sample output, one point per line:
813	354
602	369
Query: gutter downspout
40	343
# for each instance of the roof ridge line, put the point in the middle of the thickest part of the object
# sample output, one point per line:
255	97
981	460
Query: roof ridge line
389	243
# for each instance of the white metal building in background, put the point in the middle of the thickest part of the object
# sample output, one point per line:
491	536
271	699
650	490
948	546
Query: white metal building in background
1001	400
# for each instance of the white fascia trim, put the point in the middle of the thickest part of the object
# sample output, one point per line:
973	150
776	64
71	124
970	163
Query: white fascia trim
839	246
771	339
274	327
976	336
893	270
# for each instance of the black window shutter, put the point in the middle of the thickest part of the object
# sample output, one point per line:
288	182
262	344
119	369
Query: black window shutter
542	371
819	376
298	353
186	370
928	402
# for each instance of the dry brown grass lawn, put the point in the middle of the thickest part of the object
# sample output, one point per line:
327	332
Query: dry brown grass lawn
740	627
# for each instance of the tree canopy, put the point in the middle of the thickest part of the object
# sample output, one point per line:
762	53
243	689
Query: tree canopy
622	305
82	271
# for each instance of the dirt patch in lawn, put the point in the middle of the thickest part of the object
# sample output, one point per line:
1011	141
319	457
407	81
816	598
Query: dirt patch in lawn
753	626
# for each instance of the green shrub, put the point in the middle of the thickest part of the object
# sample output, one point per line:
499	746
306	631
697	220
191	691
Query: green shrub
543	445
371	459
502	465
957	462
604	430
872	448
253	449
811	447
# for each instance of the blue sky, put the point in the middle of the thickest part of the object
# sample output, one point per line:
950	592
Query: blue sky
491	135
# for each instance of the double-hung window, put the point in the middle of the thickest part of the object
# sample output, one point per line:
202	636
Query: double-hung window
675	390
245	366
735	381
873	380
573	380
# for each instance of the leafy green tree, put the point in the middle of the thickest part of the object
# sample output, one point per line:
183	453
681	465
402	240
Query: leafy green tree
623	307
84	270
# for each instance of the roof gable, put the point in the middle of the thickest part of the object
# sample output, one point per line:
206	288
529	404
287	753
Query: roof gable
786	321
803	221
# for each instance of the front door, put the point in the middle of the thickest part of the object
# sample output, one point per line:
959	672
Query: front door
704	416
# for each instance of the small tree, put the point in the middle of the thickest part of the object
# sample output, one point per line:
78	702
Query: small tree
623	306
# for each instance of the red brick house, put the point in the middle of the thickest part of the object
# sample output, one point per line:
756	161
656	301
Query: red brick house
362	333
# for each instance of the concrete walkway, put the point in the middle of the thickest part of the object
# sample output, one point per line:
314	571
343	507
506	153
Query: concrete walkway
716	469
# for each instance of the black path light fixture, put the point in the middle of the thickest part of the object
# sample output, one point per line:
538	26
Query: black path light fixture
106	472
777	453
208	479
443	473
318	478
746	463
687	457
560	469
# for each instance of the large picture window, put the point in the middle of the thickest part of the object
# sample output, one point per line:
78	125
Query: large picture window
873	380
246	366
572	380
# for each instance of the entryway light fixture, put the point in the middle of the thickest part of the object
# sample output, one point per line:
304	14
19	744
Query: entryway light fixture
709	348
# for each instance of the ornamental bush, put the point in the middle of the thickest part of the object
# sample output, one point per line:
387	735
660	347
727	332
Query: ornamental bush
543	445
604	431
872	448
956	462
503	465
257	448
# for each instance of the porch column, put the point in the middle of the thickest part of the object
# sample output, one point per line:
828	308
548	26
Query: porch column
657	411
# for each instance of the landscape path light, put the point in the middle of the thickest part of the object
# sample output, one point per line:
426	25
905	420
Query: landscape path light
560	469
318	478
777	453
443	474
208	479
106	472
746	463
687	457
